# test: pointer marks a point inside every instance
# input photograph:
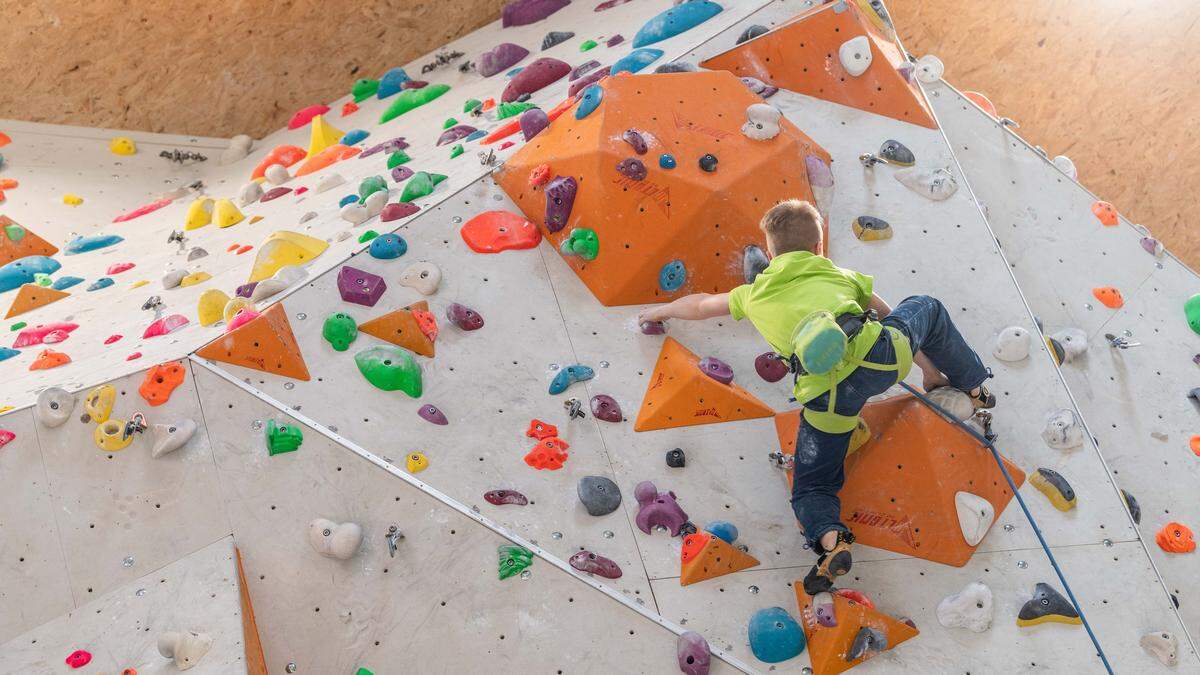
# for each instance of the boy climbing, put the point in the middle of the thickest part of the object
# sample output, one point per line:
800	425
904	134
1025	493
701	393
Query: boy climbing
844	345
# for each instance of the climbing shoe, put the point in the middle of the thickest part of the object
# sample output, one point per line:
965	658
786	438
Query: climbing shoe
832	564
984	399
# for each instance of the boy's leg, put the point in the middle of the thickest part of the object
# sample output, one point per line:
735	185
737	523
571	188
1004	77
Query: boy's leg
927	324
817	476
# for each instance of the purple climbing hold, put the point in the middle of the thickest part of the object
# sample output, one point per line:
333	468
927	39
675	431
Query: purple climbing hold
606	408
693	653
560	197
401	174
398	210
587	80
359	286
464	317
657	509
525	12
533	121
632	168
582	68
586	561
500	58
819	174
455	134
245	290
389	146
770	367
535	76
716	369
614	40
274	193
501	497
430	413
759	87
653	327
635	139
824	608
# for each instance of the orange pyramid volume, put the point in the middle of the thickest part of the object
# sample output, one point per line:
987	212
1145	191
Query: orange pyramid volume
406	327
705	556
829	647
32	296
265	343
17	242
680	395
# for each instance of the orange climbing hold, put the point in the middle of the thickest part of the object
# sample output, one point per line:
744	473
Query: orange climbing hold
327	157
49	359
902	485
982	101
285	155
403	329
541	430
705	556
496	231
1106	213
1194	444
265	343
802	56
5	139
1109	297
680	394
426	321
17	242
32	296
160	381
829	647
549	454
1175	538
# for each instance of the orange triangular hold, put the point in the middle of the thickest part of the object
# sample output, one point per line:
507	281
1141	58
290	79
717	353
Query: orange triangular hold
681	395
17	241
829	647
406	327
32	296
802	56
256	662
902	487
264	343
706	556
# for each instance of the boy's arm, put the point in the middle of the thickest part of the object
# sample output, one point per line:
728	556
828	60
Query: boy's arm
693	307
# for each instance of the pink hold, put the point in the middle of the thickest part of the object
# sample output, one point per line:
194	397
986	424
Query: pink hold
716	369
112	338
6	437
165	325
244	316
657	509
397	211
117	268
525	12
588	80
507	145
37	334
55	336
142	210
305	115
615	40
534	77
79	658
653	327
135	355
586	561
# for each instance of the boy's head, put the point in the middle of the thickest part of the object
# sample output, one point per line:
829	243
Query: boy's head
793	225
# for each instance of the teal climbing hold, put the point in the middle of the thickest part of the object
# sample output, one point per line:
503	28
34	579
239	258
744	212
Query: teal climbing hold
410	99
475	135
674	21
388	246
364	89
6	353
63	283
589	101
369	186
1191	309
513	559
339	330
666	161
102	282
774	635
672	275
568	375
635	60
390	368
397	158
722	529
91	242
283	438
582	242
420	185
354	136
20	272
391	82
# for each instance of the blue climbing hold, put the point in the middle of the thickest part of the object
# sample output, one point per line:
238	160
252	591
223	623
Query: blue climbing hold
775	636
666	161
63	283
392	82
672	275
102	282
348	199
388	246
474	135
568	375
90	243
592	96
722	529
6	353
514	71
354	136
20	272
675	21
635	61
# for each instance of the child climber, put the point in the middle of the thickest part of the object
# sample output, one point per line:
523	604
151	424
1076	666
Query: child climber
844	345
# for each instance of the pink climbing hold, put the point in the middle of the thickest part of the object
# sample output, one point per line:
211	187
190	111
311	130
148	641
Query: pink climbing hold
36	335
117	268
506	145
397	211
464	317
534	77
587	81
431	413
500	58
142	210
55	336
79	658
525	12
653	327
532	122
305	115
133	356
112	338
496	231
606	409
6	437
716	369
586	561
609	4
165	325
244	316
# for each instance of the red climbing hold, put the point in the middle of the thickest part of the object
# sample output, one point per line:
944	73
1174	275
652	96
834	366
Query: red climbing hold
1175	538
305	115
36	335
133	356
284	155
1106	213
143	210
496	231
857	596
117	268
78	658
349	107
165	325
49	359
244	248
506	145
540	175
1109	297
548	454
112	338
426	321
541	430
6	437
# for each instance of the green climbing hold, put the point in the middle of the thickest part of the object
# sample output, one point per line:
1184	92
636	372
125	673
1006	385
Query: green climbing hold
339	330
420	185
456	150
412	98
512	109
42	279
282	438
450	121
471	104
397	158
367	236
513	560
369	186
1191	309
363	671
17	326
390	368
364	89
14	232
586	45
582	242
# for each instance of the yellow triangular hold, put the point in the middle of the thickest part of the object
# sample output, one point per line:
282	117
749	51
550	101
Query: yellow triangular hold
199	214
707	556
32	296
211	306
321	135
225	214
284	248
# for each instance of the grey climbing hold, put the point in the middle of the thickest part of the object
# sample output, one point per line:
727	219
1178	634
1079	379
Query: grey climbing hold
1047	605
867	643
897	153
676	459
708	162
754	261
1012	344
953	401
762	122
970	608
1073	342
936	184
173	278
170	437
54	406
1135	509
751	32
975	516
600	496
556	37
677	67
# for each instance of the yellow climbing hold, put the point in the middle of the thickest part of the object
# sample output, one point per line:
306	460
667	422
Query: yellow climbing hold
211	306
199	214
225	214
321	135
4	409
99	403
72	200
416	462
235	305
138	284
284	248
110	436
195	278
122	145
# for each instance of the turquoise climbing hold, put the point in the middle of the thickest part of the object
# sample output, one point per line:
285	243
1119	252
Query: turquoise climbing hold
354	136
390	368
568	375
722	529
102	282
391	82
774	635
348	199
388	246
91	242
592	96
635	61
672	275
6	353
475	135
63	283
666	161
674	21
20	272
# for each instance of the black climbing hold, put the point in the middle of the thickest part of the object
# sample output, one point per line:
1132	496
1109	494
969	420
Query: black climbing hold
870	228
600	496
1056	488
1047	605
1175	600
751	33
708	162
555	37
754	261
523	97
897	153
1057	352
1135	509
677	67
867	643
687	528
676	459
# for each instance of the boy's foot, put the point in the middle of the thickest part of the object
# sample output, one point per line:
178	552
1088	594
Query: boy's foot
982	398
832	564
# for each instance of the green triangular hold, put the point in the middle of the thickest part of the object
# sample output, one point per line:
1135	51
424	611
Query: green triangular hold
420	185
397	158
412	98
512	108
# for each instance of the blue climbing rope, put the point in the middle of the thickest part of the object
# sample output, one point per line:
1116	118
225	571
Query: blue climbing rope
1028	516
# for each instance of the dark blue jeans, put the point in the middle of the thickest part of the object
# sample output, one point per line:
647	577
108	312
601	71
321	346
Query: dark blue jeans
820	457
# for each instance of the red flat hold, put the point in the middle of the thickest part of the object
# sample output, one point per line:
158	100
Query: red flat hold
304	115
857	596
541	430
112	338
496	231
6	437
549	454
135	355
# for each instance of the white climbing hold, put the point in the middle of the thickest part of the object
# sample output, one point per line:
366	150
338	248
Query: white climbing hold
1073	341
930	69
970	608
283	278
328	182
1163	646
936	184
277	174
424	276
250	193
762	122
342	235
196	253
975	516
855	55
354	213
54	406
1012	344
334	540
1065	165
1063	430
307	217
186	648
170	437
239	147
375	202
953	401
173	278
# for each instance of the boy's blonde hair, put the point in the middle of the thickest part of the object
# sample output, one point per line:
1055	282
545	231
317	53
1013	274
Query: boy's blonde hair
792	225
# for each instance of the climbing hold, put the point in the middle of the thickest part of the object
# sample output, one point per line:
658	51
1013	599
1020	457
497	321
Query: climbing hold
708	162
420	185
1064	164
586	561
716	369
1175	538
23	271
672	276
693	654
589	101
391	83
6	437
1135	510
867	643
99	402
226	214
751	32
1047	605
653	327
757	86
568	376
1073	343
170	437
390	368
723	529
500	58
353	137
541	430
91	242
265	343
359	286
560	198
455	134
1055	487
681	393
581	242
496	231
234	306
556	37
305	115
6	353
160	381
283	278
549	454
762	122
636	141
122	145
1063	430
79	658
422	276
210	306
975	516
111	436
532	121
416	462
674	21
676	459
513	559
166	325
1109	297
657	509
282	437
398	210
825	609
957	403
251	192
36	335
431	414
501	497
1163	646
388	246
707	556
369	186
770	367
339	330
897	153
277	174
410	99
936	184
534	77
186	648
395	161
606	409
32	296
970	608
599	495
1012	344
632	168
855	55
334	540
588	45
666	161
239	317
464	317
54	406
1153	246
870	228
63	283
774	634
322	135
101	283
582	69
1106	213
403	328
117	268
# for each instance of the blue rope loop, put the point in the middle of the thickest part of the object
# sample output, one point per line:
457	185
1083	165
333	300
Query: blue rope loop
1028	516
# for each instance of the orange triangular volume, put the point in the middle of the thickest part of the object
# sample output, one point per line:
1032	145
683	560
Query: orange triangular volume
828	646
706	556
25	245
264	343
256	662
32	296
404	328
802	56
680	395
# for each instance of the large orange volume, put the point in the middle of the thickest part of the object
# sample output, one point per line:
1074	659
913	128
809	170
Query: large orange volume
264	343
19	242
681	395
828	647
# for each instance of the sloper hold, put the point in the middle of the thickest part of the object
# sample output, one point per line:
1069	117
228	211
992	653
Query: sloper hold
496	231
160	381
402	329
32	296
1056	488
304	115
867	643
36	335
265	343
897	153
431	413
569	375
705	556
1063	430
170	437
534	77
693	653
606	408
674	21
1047	605
502	497
500	58
532	121
770	367
975	516
210	307
679	394
359	286
775	636
1163	646
464	317
18	242
970	608
830	648
420	185
586	561
525	12
24	271
410	99
390	369
855	55
284	248
599	495
870	228
934	184
326	158
556	37
165	326
392	82
334	540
